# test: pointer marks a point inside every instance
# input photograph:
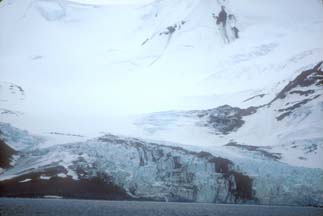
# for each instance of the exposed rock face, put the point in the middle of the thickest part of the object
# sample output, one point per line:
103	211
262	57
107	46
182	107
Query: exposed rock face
6	152
312	77
306	86
9	112
222	120
34	184
286	111
225	119
11	89
258	149
10	93
254	97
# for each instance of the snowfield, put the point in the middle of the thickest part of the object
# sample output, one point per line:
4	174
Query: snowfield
193	118
95	56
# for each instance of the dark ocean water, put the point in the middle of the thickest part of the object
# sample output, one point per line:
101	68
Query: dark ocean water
64	207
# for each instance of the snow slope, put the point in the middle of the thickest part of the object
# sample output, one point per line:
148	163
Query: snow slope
12	97
93	55
290	125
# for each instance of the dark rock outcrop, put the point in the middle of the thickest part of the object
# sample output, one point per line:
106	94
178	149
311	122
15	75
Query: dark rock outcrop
254	97
225	119
31	185
257	149
6	153
311	77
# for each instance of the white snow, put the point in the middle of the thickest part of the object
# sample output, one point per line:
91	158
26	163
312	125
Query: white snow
43	177
85	63
52	197
62	175
26	180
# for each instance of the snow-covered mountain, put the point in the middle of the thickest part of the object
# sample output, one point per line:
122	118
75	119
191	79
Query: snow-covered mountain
94	56
194	118
290	125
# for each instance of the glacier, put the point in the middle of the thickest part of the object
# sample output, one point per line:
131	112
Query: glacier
155	171
146	102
